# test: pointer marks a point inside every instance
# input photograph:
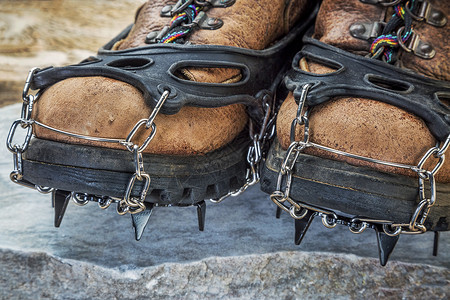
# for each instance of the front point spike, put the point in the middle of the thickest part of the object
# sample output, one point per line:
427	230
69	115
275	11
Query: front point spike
386	245
436	243
60	199
278	213
201	214
302	225
140	220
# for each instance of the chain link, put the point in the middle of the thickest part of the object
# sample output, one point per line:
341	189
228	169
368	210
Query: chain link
254	153
82	199
25	123
292	153
252	175
127	203
298	209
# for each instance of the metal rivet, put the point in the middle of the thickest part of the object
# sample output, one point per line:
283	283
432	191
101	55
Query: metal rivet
166	9
366	31
437	18
357	29
150	38
213	23
426	48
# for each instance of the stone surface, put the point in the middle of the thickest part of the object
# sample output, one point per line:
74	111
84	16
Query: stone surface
282	275
244	252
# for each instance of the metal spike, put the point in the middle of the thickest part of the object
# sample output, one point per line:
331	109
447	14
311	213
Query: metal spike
201	213
140	220
386	245
60	199
302	225
278	213
436	243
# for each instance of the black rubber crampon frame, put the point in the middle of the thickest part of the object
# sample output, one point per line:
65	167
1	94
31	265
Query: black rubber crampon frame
153	69
350	189
357	76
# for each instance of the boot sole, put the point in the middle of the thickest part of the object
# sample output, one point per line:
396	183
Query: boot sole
354	190
175	180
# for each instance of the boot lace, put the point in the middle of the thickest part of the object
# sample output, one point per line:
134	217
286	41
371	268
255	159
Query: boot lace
187	16
177	30
398	29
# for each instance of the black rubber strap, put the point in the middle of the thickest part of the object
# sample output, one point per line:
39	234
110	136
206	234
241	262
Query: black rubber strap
152	69
357	76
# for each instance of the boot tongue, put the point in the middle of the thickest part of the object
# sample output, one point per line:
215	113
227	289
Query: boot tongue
252	24
147	20
339	21
246	23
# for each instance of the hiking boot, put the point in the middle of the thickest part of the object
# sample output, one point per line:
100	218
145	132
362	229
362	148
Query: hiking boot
362	135
170	112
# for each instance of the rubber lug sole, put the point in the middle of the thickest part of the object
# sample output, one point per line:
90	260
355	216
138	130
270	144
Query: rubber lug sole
175	180
354	190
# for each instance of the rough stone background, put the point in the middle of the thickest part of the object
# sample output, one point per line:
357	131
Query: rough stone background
244	252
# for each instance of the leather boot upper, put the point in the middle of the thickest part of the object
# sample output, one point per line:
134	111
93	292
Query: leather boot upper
362	126
103	107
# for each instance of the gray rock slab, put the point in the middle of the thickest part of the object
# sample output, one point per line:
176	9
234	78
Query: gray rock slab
280	275
243	252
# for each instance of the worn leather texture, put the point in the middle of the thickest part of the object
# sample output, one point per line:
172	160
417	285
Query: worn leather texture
104	107
363	126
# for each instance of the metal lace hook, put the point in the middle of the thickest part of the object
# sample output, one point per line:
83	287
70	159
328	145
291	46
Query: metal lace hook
27	85
157	108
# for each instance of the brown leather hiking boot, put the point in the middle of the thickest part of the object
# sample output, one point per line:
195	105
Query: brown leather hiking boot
160	116
377	128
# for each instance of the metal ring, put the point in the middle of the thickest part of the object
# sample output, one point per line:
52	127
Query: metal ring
329	221
400	40
78	201
358	227
277	198
104	202
43	189
387	229
292	212
122	209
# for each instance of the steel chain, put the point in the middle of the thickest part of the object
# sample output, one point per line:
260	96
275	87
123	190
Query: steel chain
254	153
129	204
82	199
330	219
292	153
25	123
417	223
